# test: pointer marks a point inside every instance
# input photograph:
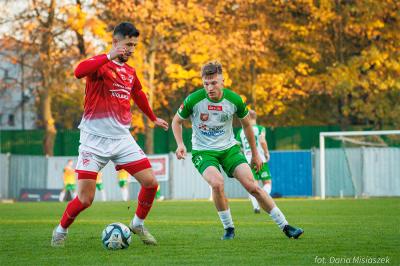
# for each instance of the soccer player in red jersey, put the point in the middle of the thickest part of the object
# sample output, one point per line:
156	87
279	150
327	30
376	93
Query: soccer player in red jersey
105	136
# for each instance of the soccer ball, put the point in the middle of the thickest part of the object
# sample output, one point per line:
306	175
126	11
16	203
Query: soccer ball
116	236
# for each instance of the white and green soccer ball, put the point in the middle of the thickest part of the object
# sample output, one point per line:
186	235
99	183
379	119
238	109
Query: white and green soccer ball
116	236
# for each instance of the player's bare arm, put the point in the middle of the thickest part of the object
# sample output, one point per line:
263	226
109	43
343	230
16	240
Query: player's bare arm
248	131
264	145
177	130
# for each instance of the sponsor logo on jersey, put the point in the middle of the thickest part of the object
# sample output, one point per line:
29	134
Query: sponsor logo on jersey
211	131
121	94
121	69
204	116
128	89
215	107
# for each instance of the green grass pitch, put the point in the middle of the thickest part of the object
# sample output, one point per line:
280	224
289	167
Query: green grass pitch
337	231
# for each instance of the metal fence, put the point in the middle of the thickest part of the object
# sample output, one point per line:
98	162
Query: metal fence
292	176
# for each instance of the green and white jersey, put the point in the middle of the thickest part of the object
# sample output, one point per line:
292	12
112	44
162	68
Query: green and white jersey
212	121
241	137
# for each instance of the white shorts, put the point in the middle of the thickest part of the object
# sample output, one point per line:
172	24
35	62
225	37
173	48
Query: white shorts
95	152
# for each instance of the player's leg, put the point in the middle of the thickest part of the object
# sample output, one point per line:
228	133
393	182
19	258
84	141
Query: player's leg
62	195
146	197
265	177
86	192
267	186
100	188
243	173
88	165
215	179
254	202
123	184
131	158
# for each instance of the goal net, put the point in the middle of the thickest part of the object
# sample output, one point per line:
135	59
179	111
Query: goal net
359	164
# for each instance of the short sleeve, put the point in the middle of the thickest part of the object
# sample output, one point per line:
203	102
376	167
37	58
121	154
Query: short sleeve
261	129
242	109
186	108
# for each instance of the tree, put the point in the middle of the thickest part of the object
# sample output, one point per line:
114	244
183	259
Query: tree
54	39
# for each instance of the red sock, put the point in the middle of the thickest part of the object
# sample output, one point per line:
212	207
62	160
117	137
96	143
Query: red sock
145	201
74	207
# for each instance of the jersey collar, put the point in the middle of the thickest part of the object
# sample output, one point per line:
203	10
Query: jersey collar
118	63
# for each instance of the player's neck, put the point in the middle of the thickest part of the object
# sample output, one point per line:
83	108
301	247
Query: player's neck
116	61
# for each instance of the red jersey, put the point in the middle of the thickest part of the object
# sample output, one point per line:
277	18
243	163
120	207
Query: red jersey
109	87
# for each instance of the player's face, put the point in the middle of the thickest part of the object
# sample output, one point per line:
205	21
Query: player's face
129	43
213	85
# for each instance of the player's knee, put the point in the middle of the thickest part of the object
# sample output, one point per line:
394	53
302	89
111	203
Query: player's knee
254	190
86	200
218	187
150	183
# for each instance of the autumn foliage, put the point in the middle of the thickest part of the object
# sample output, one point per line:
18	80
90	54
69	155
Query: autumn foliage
297	62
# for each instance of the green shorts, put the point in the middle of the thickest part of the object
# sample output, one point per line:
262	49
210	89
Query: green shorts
99	186
228	159
263	174
69	187
122	183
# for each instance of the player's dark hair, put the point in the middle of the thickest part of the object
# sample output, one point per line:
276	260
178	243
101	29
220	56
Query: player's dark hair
126	29
211	68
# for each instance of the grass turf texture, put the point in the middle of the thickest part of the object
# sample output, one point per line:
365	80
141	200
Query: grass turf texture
188	232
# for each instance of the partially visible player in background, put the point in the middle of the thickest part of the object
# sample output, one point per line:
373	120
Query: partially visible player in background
123	177
104	131
69	189
100	186
262	147
159	197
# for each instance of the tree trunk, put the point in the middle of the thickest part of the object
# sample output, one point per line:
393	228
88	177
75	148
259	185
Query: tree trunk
48	123
149	143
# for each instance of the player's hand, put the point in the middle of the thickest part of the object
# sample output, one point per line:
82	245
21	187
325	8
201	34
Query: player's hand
267	156
117	51
256	163
161	123
181	152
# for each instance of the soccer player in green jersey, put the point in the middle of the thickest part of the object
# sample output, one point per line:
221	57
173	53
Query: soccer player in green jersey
211	110
262	147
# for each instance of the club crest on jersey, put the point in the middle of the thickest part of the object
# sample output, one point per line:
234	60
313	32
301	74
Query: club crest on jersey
224	117
85	162
215	107
204	116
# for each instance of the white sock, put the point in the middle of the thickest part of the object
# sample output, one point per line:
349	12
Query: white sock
226	218
267	187
62	195
61	229
278	217
125	193
103	195
254	202
136	221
